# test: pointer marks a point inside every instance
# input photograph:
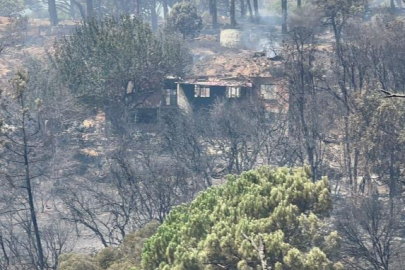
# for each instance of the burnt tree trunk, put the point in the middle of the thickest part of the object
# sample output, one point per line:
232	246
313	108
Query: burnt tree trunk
256	7
214	13
393	180
90	8
299	3
99	10
28	188
165	9
249	5
4	251
72	12
154	15
81	9
53	13
137	9
285	14
242	8
337	34
233	14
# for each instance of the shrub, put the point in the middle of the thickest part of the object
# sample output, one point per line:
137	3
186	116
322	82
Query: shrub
77	262
184	18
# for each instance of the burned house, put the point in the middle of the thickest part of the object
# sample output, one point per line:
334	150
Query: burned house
193	94
229	75
203	92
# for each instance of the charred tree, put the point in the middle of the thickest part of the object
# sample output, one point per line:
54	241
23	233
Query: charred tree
233	14
284	16
370	229
165	9
137	9
249	5
21	154
53	13
72	12
154	16
85	12
242	8
214	13
81	8
256	8
90	8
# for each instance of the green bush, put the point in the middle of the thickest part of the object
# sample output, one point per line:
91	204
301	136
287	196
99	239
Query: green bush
77	262
264	216
106	257
184	18
125	257
128	255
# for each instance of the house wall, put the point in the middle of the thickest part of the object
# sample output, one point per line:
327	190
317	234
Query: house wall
283	97
257	81
187	100
277	105
182	100
202	102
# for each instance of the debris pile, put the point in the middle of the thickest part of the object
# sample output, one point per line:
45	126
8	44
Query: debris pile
232	64
231	38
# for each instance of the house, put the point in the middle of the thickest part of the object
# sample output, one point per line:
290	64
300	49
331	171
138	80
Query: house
202	92
226	74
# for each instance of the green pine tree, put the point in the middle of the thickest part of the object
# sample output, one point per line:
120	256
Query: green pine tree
263	219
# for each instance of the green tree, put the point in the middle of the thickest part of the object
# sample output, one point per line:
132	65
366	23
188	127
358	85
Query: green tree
263	219
184	18
116	65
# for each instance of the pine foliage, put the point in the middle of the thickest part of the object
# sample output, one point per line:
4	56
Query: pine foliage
264	218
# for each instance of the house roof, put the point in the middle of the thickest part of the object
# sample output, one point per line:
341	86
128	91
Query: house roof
214	61
215	81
